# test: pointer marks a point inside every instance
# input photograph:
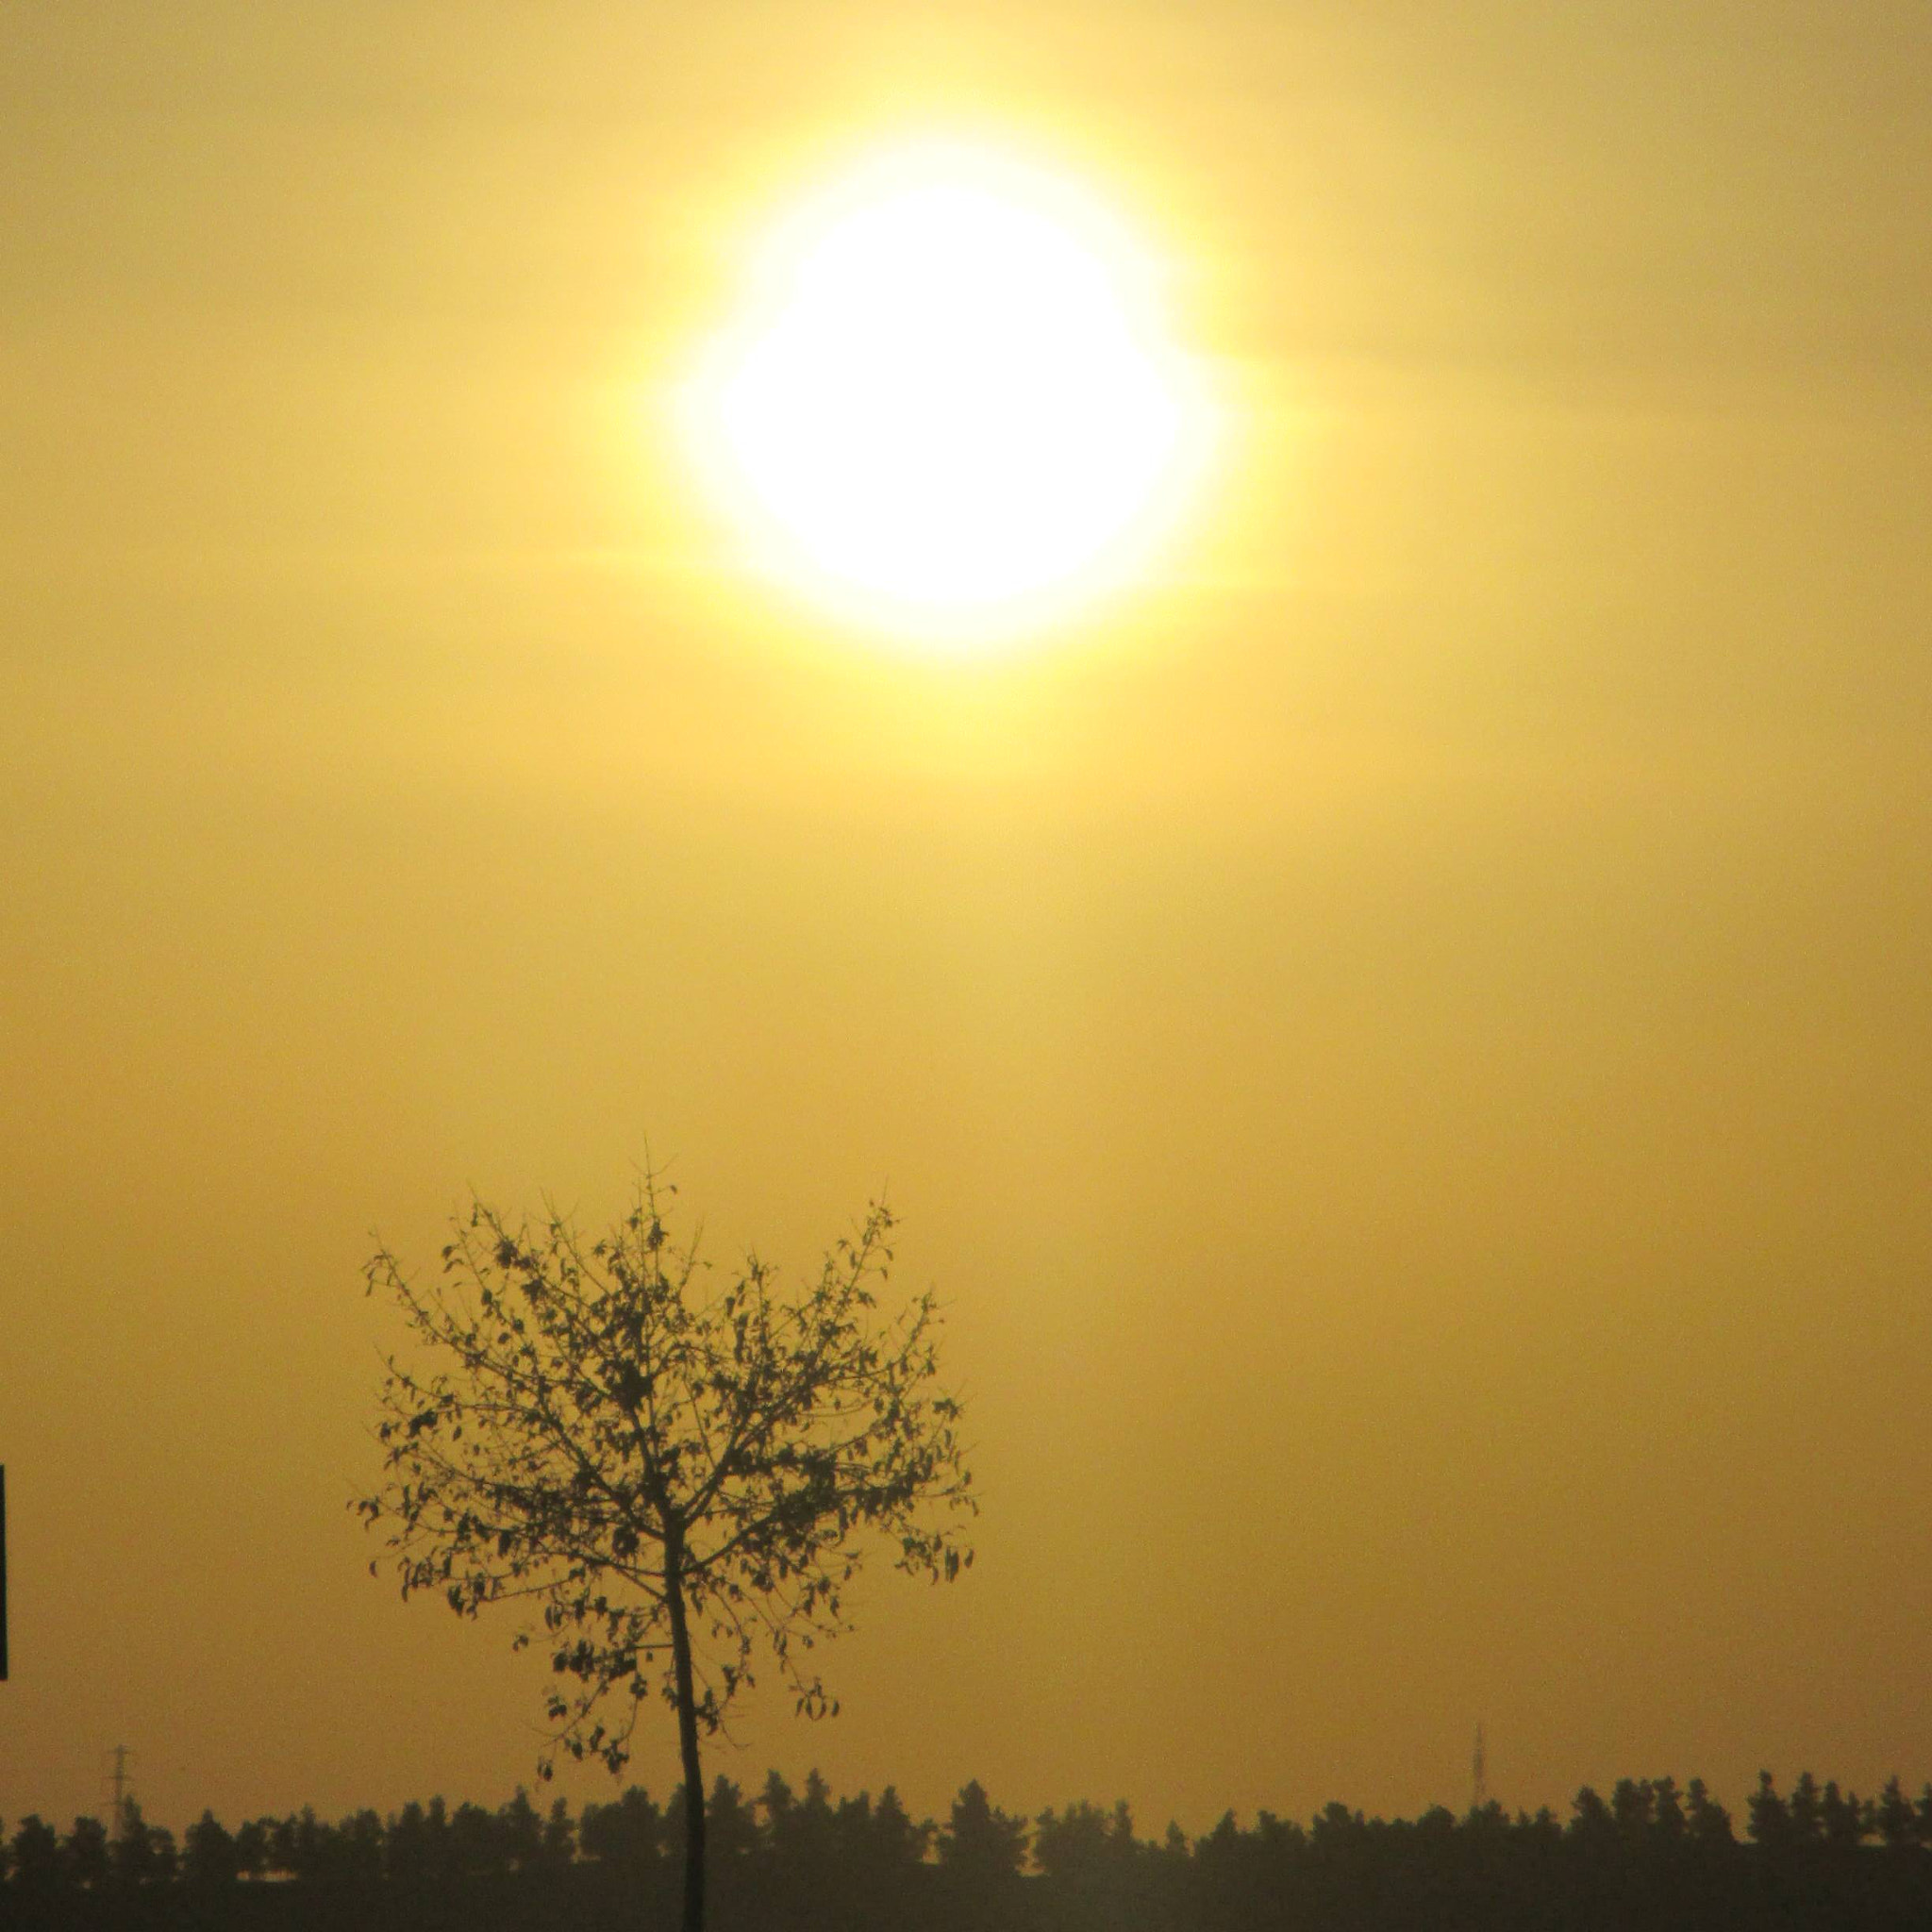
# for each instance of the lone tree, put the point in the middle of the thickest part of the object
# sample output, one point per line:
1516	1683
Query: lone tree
681	1477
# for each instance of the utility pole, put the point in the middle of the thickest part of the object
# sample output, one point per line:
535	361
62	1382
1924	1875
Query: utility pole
1480	1780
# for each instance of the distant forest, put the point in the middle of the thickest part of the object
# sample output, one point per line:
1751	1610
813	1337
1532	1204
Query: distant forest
1650	1858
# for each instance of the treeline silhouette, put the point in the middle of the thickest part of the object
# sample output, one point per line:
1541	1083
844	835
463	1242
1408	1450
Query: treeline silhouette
1649	1857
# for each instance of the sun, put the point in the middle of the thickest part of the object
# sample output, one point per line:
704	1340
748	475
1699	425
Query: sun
950	407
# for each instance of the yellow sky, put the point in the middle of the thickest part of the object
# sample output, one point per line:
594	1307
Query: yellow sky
1406	1044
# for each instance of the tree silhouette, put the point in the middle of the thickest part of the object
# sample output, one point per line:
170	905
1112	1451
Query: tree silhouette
1346	1872
251	1848
474	1845
1667	1818
1806	1810
520	1832
1771	1820
208	1853
1633	1806
660	1471
1073	1844
627	1836
36	1856
980	1841
1893	1815
559	1844
357	1846
1843	1817
83	1852
407	1852
143	1854
1590	1822
1709	1823
897	1842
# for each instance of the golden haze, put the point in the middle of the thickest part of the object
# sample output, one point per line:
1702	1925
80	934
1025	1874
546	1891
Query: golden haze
1405	1044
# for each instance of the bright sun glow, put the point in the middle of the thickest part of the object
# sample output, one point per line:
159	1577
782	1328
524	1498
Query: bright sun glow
950	408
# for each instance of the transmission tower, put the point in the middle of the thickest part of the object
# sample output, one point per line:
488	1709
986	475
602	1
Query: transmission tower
118	1779
1479	1779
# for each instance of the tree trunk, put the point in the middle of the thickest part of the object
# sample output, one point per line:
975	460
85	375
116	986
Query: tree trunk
686	1738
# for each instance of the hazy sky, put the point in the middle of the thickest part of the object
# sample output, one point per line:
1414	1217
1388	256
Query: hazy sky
1405	1045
